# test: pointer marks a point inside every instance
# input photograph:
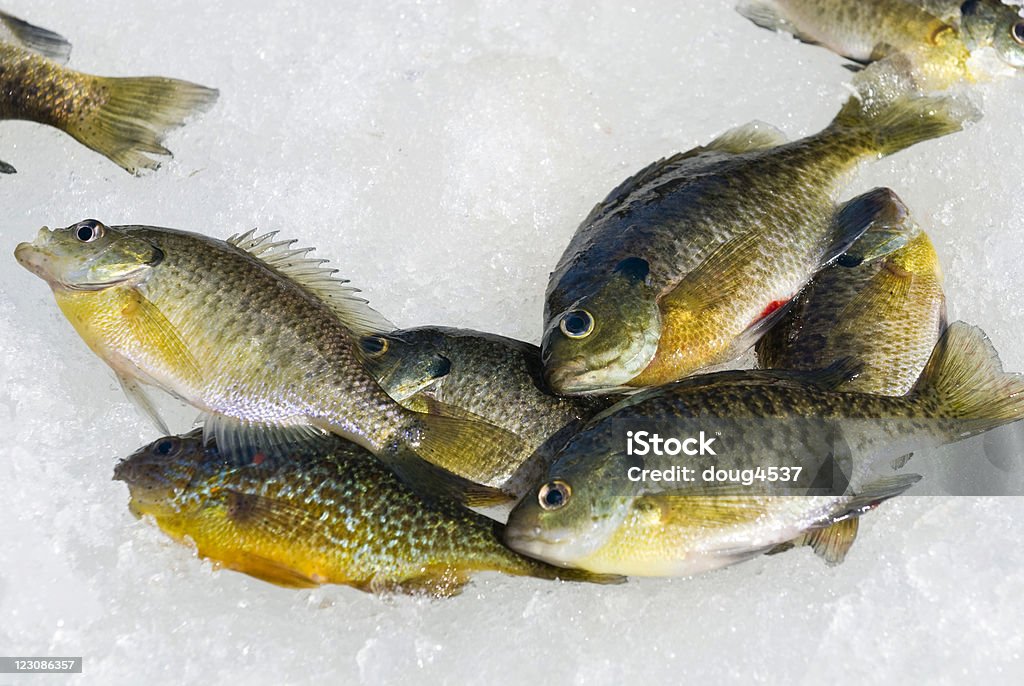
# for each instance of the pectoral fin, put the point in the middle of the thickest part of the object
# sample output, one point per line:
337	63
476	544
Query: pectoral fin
832	542
148	325
6	168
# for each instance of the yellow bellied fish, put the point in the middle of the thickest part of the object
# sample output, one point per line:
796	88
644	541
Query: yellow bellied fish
794	459
256	335
331	517
685	265
887	313
124	119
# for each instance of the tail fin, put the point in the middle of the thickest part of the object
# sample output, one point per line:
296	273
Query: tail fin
892	125
966	381
135	116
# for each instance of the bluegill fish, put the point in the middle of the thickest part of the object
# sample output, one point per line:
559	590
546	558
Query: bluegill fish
593	513
685	265
474	374
887	313
936	46
257	336
124	119
336	516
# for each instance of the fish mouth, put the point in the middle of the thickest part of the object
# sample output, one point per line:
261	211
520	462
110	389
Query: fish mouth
613	374
533	541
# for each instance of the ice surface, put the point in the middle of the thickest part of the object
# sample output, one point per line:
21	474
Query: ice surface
442	153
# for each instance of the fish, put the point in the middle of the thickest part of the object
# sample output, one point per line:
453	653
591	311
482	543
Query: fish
688	263
934	42
595	510
260	338
306	518
887	313
124	119
480	375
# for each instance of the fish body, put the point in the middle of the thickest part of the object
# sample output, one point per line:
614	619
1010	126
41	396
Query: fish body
886	313
594	513
935	42
249	331
302	519
124	119
685	265
497	379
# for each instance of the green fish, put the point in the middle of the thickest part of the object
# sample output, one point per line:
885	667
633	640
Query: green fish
936	40
336	516
479	375
823	457
124	119
258	336
687	264
887	313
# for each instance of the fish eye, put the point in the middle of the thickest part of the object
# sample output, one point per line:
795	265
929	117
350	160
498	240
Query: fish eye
88	231
554	495
373	346
166	446
1017	32
577	324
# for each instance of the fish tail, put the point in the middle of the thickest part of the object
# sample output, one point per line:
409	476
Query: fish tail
966	380
132	116
888	126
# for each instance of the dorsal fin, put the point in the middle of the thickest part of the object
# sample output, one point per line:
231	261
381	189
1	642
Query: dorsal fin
752	136
309	272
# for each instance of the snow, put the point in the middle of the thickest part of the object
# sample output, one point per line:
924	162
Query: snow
442	154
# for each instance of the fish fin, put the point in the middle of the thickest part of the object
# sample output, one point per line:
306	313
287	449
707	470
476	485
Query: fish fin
965	377
155	333
266	569
428	404
133	389
37	39
869	226
768	15
467	460
831	543
890	126
754	135
135	115
749	137
868	497
6	168
239	439
432	482
886	293
280	255
546	571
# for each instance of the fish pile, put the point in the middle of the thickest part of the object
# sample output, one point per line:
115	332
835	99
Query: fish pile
338	448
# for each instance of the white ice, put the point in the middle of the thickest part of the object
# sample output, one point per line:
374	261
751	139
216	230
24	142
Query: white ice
442	154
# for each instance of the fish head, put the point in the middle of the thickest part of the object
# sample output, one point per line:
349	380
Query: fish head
991	23
578	508
159	475
88	256
404	362
603	340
